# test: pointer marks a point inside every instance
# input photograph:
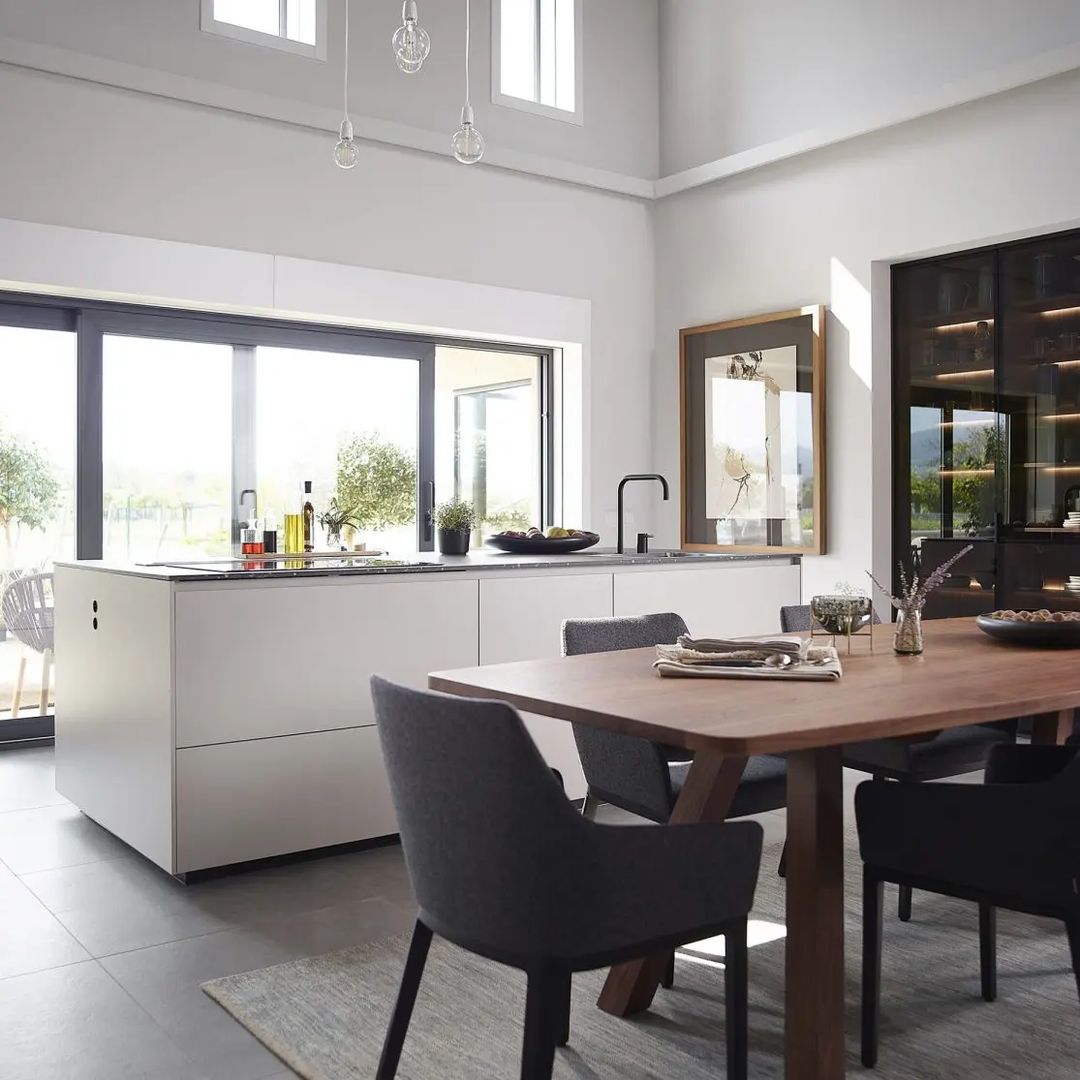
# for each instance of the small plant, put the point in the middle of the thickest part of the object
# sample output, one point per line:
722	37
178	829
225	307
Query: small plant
455	516
913	592
334	518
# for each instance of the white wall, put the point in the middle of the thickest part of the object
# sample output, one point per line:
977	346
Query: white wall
133	164
743	73
818	229
149	41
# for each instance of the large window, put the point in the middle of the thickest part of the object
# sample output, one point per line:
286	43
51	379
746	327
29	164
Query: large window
37	507
293	25
537	56
349	425
489	435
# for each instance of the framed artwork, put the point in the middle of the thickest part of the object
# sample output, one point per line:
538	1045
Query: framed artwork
752	397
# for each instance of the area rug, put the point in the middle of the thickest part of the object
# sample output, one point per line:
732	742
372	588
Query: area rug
325	1017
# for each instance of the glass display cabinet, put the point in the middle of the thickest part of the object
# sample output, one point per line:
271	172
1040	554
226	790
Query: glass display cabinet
986	439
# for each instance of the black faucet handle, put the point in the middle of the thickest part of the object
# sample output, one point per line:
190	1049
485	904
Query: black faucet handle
643	543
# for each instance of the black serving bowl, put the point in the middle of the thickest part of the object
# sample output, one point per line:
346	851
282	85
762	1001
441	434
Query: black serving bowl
536	545
1047	635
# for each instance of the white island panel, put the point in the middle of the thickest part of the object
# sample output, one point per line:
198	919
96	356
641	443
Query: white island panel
261	660
114	719
521	619
230	798
736	600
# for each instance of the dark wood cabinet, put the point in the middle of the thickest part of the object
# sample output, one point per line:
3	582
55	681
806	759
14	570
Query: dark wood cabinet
986	407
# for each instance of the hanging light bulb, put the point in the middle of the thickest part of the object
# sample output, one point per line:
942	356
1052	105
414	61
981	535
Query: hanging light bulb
411	42
467	143
346	152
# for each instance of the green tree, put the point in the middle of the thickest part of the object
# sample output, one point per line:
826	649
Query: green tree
29	490
973	495
376	480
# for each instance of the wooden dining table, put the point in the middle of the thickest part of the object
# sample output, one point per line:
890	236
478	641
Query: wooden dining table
962	677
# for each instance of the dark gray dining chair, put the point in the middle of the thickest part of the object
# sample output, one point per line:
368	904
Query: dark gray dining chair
503	866
634	774
953	752
1009	843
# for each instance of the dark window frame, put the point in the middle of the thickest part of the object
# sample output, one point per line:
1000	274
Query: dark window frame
91	320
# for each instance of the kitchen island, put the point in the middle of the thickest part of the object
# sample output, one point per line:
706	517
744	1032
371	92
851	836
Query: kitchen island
217	713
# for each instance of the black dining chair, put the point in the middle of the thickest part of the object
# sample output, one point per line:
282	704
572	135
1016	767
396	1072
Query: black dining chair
642	777
939	756
634	774
502	865
1010	842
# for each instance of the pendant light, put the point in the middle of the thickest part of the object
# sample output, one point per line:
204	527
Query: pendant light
467	143
346	153
411	42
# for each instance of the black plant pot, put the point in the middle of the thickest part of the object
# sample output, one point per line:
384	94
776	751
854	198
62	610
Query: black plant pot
454	541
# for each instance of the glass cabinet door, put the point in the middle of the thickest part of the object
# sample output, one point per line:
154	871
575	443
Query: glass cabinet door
1040	390
948	426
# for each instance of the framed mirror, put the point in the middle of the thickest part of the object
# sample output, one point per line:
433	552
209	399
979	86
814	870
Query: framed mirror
752	395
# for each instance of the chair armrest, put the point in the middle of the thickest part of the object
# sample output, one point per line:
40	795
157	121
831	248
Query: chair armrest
1012	763
1002	839
662	880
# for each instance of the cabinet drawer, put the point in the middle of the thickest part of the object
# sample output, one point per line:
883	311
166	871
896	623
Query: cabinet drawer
253	663
250	800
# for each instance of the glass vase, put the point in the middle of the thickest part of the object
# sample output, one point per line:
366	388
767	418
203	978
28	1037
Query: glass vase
907	640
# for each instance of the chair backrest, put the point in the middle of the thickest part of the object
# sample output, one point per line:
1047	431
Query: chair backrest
487	832
624	770
28	610
797	617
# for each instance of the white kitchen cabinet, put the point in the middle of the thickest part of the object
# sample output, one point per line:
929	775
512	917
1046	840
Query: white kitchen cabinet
332	782
253	663
740	599
521	619
214	721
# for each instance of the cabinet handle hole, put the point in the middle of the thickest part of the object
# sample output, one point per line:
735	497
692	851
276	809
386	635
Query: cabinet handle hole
95	623
95	607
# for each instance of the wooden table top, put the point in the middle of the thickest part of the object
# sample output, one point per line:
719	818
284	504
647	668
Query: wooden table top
963	677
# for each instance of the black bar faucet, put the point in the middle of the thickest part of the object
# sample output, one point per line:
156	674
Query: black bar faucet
622	484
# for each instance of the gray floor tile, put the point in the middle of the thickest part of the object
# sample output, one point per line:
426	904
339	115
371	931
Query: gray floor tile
76	1023
27	779
31	937
49	837
122	904
165	980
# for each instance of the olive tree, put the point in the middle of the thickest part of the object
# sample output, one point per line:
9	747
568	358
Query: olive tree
29	490
376	482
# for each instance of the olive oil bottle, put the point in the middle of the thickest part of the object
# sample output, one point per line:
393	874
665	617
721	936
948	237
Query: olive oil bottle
308	513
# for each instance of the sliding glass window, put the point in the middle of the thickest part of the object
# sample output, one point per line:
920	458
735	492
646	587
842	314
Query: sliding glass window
147	436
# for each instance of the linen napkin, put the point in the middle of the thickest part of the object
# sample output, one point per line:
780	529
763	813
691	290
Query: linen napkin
777	658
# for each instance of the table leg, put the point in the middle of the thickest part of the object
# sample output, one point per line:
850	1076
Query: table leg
706	796
814	994
1052	729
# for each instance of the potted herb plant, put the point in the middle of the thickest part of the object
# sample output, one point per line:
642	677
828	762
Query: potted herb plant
334	519
455	521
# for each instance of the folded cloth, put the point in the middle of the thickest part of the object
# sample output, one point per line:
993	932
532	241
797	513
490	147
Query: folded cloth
788	646
749	661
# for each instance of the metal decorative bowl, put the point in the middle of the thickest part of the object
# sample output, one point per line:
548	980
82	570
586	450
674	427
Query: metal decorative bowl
541	545
1046	635
841	614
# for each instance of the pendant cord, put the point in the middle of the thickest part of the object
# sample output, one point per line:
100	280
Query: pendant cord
467	7
346	59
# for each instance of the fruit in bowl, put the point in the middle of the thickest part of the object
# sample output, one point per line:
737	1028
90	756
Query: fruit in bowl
554	532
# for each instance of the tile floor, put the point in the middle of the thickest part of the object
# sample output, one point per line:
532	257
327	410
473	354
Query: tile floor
102	954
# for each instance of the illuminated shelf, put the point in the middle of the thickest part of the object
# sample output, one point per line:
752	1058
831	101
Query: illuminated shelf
957	322
980	373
